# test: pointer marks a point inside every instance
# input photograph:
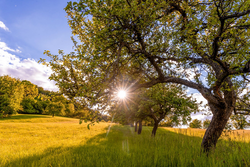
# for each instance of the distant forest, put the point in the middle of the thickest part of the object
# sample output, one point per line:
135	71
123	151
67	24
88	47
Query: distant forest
24	97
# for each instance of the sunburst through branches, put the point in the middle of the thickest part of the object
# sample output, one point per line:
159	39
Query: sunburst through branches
122	94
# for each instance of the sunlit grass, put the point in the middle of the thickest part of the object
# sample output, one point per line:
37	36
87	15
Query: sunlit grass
32	118
235	135
66	143
35	135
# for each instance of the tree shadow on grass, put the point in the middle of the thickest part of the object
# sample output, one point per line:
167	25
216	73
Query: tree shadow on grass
123	147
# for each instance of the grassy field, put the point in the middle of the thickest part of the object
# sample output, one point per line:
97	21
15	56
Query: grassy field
38	140
235	135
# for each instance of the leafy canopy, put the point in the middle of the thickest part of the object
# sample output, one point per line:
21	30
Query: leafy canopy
167	100
203	45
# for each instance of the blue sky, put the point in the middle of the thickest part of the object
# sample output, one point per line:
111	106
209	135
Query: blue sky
35	26
27	28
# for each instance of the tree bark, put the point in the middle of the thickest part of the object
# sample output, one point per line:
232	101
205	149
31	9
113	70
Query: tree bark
140	127
218	123
136	126
155	128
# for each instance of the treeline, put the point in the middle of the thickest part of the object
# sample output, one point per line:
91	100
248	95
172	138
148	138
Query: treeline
236	121
24	97
18	96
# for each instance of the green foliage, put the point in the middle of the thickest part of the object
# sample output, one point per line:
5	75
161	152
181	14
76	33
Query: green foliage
228	126
163	101
5	107
151	42
167	122
243	102
112	31
239	121
55	108
25	97
30	90
202	45
195	124
206	123
11	94
28	106
35	99
69	109
41	105
44	92
168	100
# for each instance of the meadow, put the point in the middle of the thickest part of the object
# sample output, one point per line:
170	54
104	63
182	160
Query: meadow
40	140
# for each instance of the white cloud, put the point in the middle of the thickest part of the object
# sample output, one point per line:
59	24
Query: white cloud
5	48
26	69
3	26
201	116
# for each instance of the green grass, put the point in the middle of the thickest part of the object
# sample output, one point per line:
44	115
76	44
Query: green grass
42	142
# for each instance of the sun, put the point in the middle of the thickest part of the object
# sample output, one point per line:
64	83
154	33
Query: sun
122	94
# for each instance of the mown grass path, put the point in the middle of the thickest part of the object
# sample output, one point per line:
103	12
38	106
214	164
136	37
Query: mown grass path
34	140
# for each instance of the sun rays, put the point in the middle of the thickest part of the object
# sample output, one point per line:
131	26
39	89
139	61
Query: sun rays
122	94
125	96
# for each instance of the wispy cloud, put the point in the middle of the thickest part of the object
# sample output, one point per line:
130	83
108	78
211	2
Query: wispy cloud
26	69
5	48
3	26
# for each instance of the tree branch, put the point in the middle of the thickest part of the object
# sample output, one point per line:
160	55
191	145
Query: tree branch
236	15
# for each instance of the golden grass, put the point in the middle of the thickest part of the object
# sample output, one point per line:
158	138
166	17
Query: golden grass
33	118
235	135
32	136
40	140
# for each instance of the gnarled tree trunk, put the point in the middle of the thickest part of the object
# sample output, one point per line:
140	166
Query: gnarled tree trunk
221	115
136	126
140	127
